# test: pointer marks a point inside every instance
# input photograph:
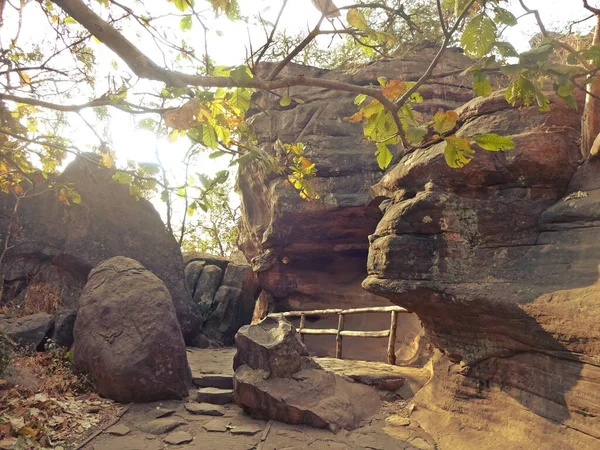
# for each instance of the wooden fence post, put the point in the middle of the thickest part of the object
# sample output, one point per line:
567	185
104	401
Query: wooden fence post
391	353
302	324
338	337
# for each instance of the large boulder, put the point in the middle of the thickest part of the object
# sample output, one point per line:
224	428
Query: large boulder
275	379
272	345
500	261
207	285
312	255
28	332
127	337
66	242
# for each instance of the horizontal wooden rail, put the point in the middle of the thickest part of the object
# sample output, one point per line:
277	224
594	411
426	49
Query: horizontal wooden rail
319	312
339	333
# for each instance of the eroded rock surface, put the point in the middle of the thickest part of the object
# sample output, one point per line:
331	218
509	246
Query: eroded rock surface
312	255
226	293
274	379
127	337
56	246
500	262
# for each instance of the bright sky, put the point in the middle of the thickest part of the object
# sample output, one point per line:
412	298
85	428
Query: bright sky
228	44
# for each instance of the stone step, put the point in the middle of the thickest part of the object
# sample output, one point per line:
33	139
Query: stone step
215	396
215	380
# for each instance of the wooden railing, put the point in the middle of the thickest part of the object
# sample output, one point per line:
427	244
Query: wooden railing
339	333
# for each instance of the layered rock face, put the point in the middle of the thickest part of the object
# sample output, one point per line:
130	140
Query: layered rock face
54	246
312	255
500	262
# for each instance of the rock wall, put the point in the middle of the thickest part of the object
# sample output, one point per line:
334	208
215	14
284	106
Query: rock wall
312	255
500	262
54	246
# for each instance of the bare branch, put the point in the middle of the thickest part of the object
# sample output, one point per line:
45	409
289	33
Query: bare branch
587	6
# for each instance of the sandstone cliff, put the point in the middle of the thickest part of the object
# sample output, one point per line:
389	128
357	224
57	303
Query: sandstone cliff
324	243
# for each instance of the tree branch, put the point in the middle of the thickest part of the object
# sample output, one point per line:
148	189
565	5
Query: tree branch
587	6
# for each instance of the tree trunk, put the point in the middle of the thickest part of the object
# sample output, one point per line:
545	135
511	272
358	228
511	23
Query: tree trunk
590	125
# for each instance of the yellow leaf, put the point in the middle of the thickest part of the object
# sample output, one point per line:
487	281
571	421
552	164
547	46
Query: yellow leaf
394	89
25	80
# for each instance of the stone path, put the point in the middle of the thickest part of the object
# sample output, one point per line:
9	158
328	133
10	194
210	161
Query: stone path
201	426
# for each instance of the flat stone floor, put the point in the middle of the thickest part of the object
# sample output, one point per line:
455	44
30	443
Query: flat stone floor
160	425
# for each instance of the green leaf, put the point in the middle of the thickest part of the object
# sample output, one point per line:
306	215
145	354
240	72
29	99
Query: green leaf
506	49
241	75
149	168
415	135
240	99
504	16
479	35
360	98
285	101
209	137
494	142
384	156
357	19
221	176
122	177
186	23
164	196
444	121
216	154
182	5
538	55
481	84
457	152
70	20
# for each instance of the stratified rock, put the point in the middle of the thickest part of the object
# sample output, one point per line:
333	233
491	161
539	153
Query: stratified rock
312	397
64	322
192	274
108	222
207	285
214	395
233	310
500	261
127	337
312	255
27	332
272	346
207	259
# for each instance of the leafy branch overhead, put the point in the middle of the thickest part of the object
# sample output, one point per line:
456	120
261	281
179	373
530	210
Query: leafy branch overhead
161	73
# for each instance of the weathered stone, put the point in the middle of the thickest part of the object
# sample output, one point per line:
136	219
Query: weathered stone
204	409
207	285
207	259
215	396
500	261
162	426
242	277
217	425
247	429
192	274
119	430
27	332
127	336
217	380
108	222
64	322
272	346
6	351
233	309
179	438
312	397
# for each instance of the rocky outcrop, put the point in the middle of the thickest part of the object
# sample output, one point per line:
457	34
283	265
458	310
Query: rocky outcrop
28	332
312	255
500	262
127	337
55	246
275	379
225	292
